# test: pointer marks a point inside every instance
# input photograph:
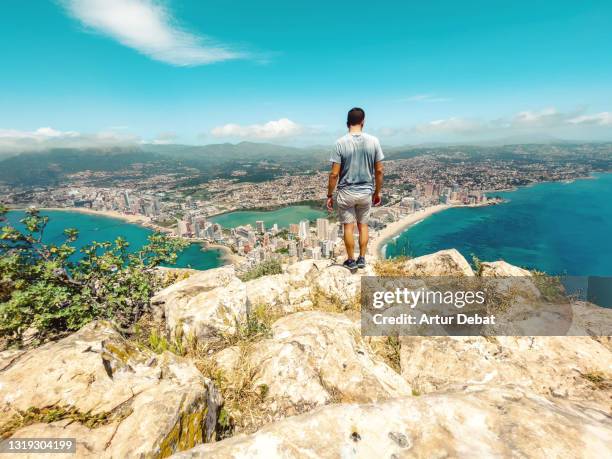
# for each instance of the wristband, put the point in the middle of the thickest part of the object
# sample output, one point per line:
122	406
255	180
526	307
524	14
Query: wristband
330	196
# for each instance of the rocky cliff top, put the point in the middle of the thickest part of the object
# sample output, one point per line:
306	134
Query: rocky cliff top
278	364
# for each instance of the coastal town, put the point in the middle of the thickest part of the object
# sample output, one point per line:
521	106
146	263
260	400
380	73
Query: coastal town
415	188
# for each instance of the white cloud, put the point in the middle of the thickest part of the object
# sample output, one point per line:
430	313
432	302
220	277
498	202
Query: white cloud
148	27
165	138
599	119
449	125
432	98
281	128
40	134
16	141
547	117
546	122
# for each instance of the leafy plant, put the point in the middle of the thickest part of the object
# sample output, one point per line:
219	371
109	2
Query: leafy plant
47	290
478	266
265	268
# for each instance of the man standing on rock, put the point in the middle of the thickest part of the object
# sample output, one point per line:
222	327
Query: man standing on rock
358	171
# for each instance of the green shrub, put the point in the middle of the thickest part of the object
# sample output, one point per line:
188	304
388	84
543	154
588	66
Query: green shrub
265	268
44	290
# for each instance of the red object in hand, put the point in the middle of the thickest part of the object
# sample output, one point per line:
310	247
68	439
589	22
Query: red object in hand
376	199
330	204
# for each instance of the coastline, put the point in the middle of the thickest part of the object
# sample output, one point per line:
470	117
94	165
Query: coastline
396	228
134	219
379	241
227	255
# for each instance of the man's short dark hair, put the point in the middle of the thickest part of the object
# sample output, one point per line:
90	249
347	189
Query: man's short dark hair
355	116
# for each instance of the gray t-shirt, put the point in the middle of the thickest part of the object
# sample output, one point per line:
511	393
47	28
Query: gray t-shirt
357	154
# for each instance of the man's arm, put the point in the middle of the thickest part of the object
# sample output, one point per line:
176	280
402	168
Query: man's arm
378	180
331	185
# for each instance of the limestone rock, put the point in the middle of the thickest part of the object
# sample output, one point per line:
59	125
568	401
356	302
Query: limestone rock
314	358
557	366
304	271
228	359
592	320
278	292
505	422
443	263
195	284
205	305
338	282
116	400
269	290
502	269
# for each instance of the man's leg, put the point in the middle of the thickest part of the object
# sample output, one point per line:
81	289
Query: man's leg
363	238
349	241
362	215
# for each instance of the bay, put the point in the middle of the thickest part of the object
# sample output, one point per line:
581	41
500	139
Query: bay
101	228
558	228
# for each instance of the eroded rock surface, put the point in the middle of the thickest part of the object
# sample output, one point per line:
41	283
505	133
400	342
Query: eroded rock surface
204	306
322	389
501	422
443	263
115	399
315	358
548	365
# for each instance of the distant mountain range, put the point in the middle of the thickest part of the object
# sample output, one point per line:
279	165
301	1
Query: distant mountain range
261	161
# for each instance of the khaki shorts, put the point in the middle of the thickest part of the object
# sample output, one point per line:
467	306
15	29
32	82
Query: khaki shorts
353	207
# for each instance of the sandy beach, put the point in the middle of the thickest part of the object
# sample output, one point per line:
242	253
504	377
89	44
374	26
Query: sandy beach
134	219
137	219
379	239
226	253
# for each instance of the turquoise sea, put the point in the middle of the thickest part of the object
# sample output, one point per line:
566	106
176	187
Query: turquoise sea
559	228
283	217
100	228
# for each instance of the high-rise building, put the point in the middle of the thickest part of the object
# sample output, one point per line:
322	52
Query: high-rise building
327	248
428	190
156	206
147	209
333	232
292	248
304	229
182	228
260	227
294	228
409	203
126	199
322	228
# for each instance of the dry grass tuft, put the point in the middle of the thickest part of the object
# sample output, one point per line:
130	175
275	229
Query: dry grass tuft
387	348
322	301
598	379
392	267
243	410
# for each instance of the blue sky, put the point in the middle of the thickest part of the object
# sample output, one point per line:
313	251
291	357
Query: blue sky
97	72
